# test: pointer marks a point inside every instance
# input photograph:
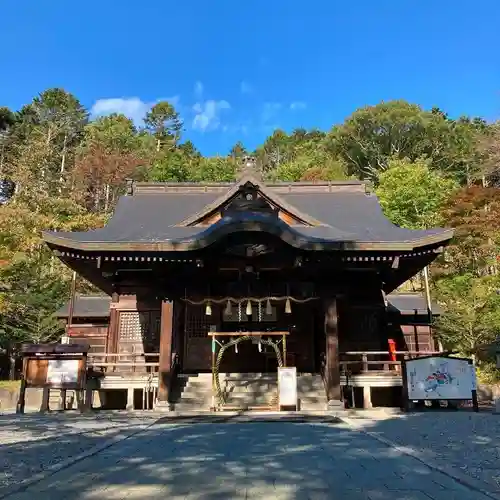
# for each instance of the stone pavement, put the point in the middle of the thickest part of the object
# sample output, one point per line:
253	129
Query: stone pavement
31	443
464	441
261	460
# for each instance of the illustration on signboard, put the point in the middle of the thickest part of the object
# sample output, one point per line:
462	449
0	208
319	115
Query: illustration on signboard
438	378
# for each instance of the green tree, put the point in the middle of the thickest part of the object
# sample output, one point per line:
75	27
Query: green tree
238	151
214	169
7	118
164	123
189	149
489	149
115	132
373	135
412	195
60	117
472	312
172	166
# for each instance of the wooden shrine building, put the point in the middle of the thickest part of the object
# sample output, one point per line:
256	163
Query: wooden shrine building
180	260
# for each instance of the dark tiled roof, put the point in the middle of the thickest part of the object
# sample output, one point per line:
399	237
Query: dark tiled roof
154	216
87	306
410	303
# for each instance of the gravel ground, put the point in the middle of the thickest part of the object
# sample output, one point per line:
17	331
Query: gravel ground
467	441
32	442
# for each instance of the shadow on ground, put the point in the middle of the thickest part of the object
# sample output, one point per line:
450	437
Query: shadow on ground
226	458
30	443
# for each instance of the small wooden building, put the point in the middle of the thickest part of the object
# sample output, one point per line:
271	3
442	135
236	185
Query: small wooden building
90	323
314	259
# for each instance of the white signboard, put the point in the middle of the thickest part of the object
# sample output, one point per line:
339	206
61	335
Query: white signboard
62	371
440	378
287	386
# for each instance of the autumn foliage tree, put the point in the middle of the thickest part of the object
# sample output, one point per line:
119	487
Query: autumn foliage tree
474	212
61	170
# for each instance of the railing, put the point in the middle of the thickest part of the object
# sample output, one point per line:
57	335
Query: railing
124	362
383	361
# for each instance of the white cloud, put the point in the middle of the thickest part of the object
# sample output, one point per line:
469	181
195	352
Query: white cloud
297	105
132	107
207	114
198	90
246	88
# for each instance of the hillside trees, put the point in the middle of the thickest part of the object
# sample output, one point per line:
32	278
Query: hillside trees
412	195
111	150
61	170
373	135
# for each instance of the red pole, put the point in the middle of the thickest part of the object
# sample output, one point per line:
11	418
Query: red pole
392	349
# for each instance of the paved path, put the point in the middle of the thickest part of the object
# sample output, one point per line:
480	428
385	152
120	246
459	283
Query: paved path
467	442
31	443
274	460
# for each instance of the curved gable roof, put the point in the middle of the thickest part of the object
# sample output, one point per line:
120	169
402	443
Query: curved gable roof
338	216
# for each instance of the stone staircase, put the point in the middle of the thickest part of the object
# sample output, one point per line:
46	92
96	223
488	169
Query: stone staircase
245	391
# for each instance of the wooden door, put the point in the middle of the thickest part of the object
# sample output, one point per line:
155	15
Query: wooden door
197	344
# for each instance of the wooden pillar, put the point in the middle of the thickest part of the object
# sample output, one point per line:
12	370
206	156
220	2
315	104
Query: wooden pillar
332	368
130	398
114	318
166	330
44	407
367	396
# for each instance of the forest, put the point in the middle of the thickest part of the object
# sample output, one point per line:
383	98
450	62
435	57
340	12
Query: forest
62	170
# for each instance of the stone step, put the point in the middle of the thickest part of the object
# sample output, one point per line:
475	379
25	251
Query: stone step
191	400
231	385
252	390
249	376
245	390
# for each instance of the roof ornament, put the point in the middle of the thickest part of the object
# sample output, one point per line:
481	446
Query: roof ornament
250	168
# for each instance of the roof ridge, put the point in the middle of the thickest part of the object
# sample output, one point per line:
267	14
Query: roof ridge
191	187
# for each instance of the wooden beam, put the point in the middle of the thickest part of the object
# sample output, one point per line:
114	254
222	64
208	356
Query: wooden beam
164	370
332	368
114	318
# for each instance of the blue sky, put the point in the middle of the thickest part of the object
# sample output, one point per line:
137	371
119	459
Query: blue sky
236	70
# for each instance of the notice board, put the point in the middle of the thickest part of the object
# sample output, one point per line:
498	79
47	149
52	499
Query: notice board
287	386
61	372
440	378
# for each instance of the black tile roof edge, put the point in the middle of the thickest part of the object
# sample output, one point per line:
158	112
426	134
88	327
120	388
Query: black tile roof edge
291	235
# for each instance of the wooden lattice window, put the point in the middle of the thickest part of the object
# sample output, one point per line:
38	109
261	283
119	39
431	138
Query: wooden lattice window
197	322
140	329
132	326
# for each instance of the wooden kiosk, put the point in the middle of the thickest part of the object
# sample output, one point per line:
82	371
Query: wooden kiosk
54	366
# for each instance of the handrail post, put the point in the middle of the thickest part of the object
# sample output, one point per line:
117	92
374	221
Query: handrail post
364	359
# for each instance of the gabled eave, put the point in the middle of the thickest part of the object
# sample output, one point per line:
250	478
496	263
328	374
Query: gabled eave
292	236
264	190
